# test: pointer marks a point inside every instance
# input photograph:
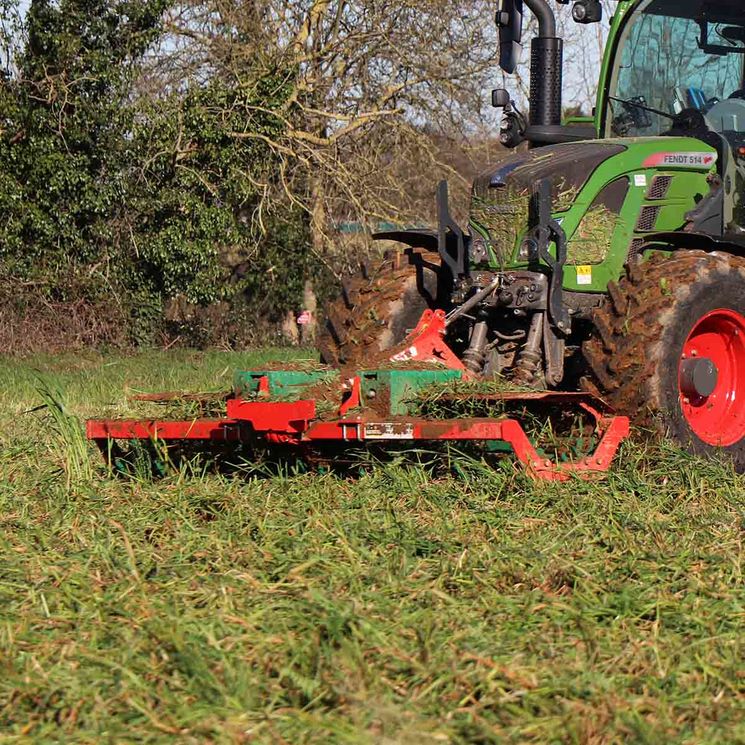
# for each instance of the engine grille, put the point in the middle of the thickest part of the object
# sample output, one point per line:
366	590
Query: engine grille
502	195
647	219
593	238
505	217
659	187
635	249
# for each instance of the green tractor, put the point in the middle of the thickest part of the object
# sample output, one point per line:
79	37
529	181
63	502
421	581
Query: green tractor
608	253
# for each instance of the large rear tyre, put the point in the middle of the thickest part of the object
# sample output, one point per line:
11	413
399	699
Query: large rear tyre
378	307
668	350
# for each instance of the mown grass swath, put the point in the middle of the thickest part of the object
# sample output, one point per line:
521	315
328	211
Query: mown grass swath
403	605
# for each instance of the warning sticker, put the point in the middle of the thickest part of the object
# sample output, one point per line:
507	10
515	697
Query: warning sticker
681	160
406	355
640	179
584	275
389	431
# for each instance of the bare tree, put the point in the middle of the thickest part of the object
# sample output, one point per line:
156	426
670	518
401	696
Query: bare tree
383	97
374	89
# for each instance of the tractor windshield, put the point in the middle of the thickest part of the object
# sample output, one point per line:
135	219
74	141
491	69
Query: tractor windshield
662	66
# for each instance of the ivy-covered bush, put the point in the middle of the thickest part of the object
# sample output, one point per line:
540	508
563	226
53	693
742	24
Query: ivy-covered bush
63	146
110	197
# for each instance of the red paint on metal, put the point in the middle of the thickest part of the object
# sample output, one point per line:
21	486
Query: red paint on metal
591	410
426	343
289	426
290	417
342	430
718	419
614	430
219	430
295	423
682	159
263	389
353	396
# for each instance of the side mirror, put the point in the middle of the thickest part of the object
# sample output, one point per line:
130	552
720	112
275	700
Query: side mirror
509	21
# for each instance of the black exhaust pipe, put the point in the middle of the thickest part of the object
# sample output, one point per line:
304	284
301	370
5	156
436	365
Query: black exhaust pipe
546	66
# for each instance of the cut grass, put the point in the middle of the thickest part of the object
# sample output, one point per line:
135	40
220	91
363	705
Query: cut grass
396	607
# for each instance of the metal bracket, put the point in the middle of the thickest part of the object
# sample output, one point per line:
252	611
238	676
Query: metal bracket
426	343
549	229
296	424
554	347
445	225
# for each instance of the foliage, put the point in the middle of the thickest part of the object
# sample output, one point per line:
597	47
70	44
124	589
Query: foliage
63	143
378	88
464	606
208	156
105	193
68	440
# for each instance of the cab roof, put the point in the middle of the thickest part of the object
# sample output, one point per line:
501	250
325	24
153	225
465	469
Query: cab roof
723	11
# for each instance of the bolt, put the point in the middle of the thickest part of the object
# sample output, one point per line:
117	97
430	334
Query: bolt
547	463
686	400
599	461
694	353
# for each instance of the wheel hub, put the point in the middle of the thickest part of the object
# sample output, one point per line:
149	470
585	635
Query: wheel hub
711	378
698	377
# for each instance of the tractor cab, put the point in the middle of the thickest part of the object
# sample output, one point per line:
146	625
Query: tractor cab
669	118
670	58
679	69
645	95
663	58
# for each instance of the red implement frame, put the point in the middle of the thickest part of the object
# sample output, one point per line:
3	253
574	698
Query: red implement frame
426	343
295	423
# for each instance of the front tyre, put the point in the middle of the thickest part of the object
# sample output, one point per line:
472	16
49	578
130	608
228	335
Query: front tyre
669	349
378	307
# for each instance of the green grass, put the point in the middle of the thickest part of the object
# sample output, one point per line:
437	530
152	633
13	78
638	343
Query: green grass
399	607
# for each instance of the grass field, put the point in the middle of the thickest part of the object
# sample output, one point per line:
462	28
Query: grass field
398	607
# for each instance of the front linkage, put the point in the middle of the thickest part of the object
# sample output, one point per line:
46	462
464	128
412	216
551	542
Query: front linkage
535	294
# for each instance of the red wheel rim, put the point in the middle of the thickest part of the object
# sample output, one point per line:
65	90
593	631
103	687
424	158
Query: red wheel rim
718	419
